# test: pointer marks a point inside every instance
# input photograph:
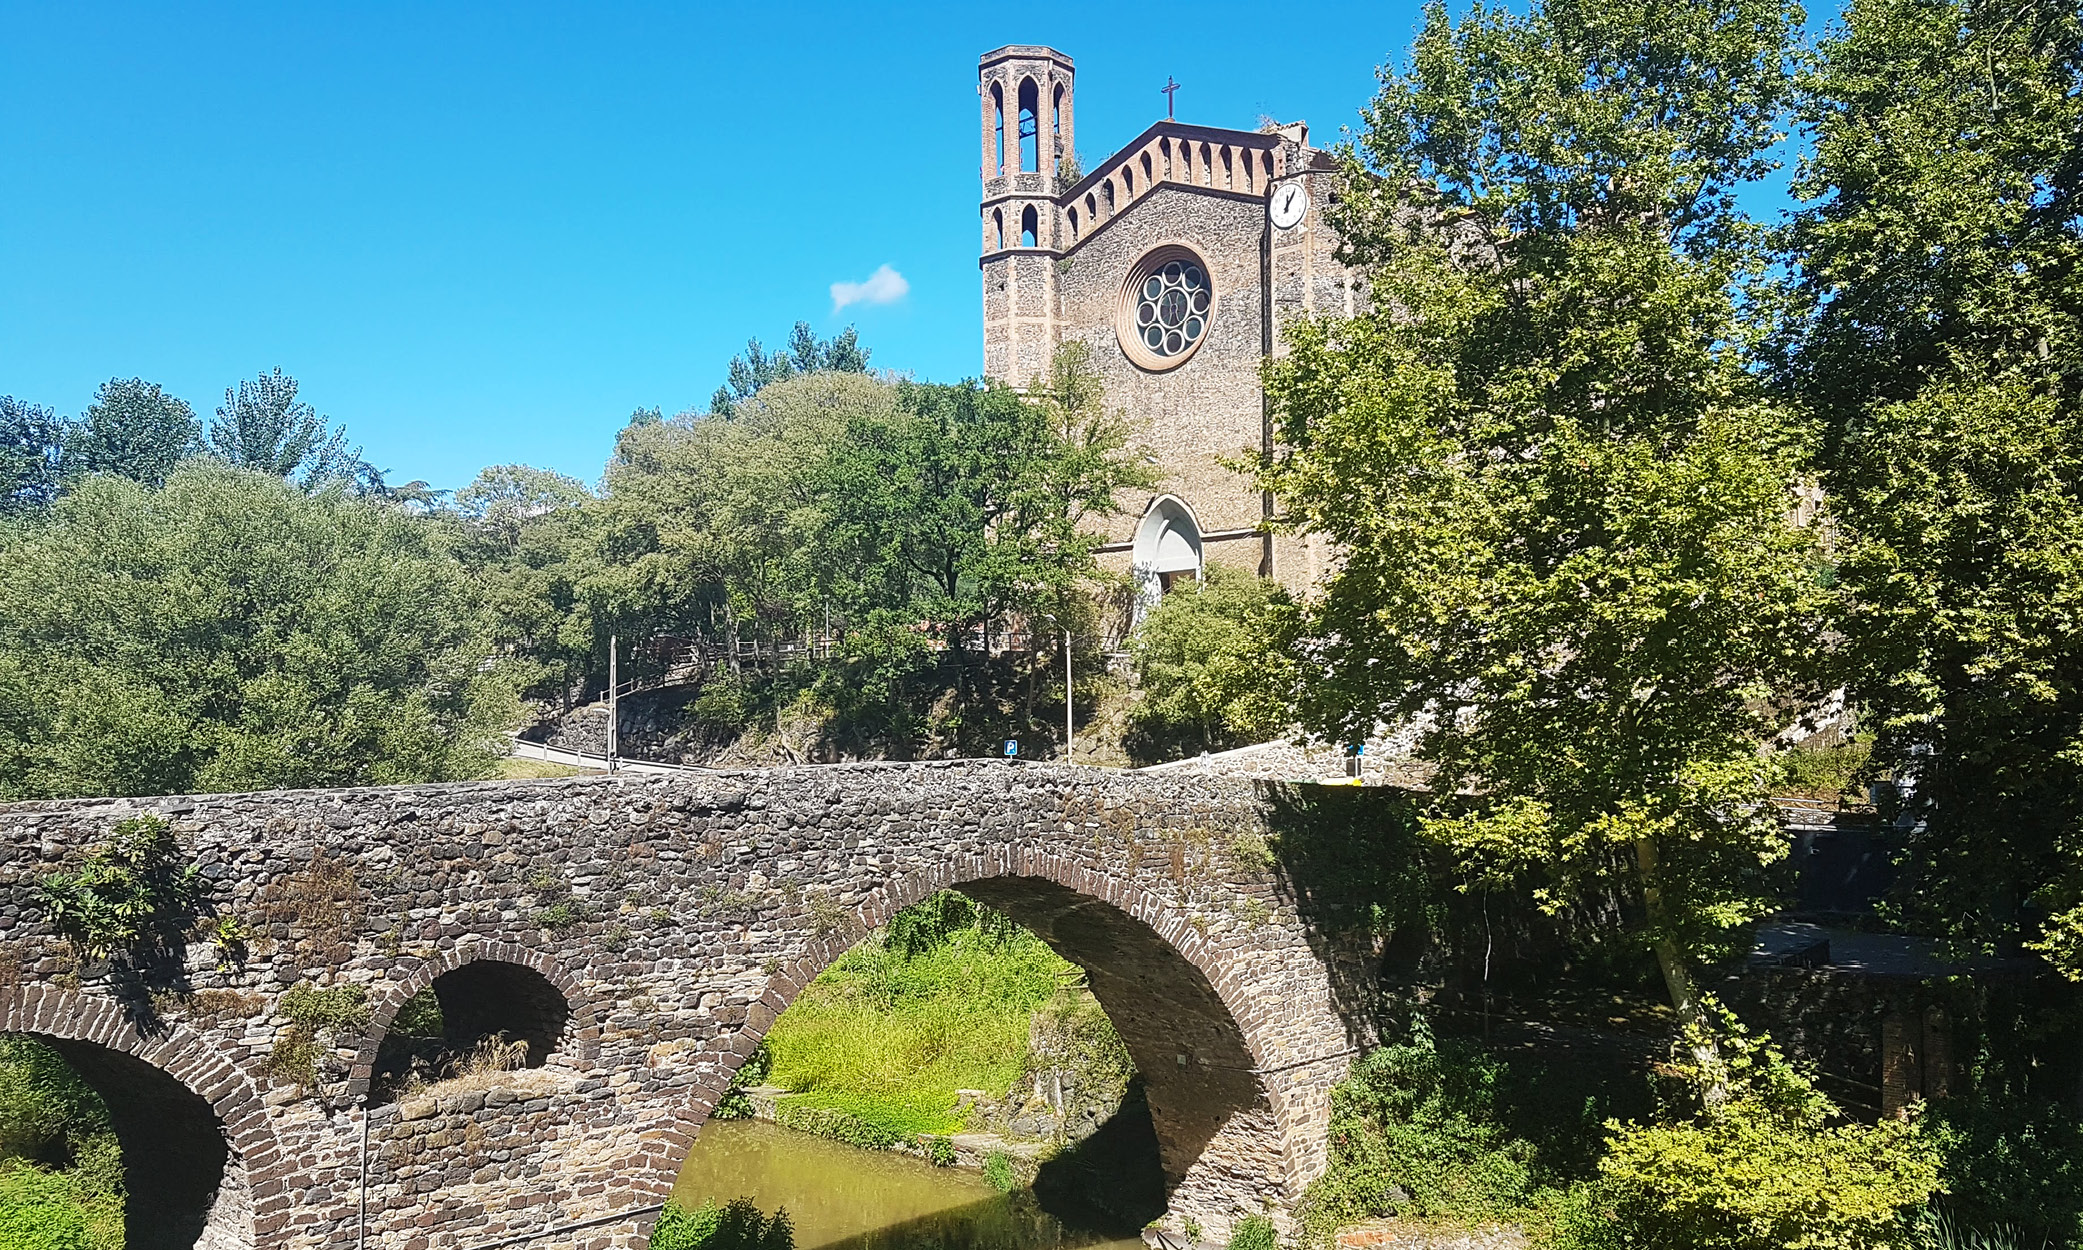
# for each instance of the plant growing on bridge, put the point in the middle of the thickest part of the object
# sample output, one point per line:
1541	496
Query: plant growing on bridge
1565	501
135	894
312	1013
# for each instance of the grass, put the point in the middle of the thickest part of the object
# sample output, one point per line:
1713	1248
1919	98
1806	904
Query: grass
514	768
888	1040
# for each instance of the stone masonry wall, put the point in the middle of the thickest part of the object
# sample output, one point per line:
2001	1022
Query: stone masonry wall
677	916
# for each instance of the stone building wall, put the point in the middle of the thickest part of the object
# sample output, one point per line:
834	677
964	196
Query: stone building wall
674	918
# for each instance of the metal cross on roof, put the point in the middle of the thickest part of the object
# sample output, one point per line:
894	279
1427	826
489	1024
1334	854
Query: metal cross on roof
1168	88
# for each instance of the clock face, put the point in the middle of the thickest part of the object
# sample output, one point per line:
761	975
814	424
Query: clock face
1288	204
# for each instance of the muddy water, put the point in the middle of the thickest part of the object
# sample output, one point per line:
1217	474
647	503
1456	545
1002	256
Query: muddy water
841	1198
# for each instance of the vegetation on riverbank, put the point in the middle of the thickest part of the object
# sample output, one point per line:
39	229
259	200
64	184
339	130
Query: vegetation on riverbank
883	1044
61	1173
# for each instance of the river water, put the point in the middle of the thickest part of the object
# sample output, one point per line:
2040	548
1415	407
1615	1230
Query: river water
841	1198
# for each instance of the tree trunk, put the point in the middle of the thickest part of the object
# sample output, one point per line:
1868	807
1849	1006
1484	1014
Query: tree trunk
1677	974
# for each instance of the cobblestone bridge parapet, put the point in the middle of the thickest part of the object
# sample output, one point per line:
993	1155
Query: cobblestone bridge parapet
649	929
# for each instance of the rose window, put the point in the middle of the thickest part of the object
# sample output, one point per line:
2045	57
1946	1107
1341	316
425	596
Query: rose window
1166	307
1172	312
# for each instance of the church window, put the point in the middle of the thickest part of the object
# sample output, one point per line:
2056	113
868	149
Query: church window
1229	171
1247	170
1166	308
1164	149
1030	132
998	217
1091	207
1147	175
1074	223
1269	165
1107	189
1056	124
1029	227
1128	180
1207	166
998	111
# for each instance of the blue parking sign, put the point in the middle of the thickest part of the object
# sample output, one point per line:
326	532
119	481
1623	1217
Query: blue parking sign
1012	746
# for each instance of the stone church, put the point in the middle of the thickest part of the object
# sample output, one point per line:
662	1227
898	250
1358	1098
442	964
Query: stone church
1177	259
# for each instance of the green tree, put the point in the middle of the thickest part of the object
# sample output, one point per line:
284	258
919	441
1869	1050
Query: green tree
31	446
132	429
1941	344
1565	505
228	632
530	539
758	368
263	426
1208	667
969	506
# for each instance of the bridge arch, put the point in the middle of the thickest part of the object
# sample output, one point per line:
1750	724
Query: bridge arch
491	970
1234	1137
198	1148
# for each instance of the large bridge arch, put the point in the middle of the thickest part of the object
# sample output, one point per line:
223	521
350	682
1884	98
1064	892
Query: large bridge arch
1237	1134
198	1148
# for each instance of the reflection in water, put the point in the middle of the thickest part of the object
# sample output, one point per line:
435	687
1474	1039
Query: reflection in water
840	1197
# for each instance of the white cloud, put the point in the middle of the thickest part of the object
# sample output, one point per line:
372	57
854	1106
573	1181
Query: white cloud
884	286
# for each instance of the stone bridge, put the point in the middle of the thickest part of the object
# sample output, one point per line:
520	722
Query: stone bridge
642	933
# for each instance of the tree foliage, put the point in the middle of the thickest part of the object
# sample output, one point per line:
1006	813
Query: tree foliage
31	449
1941	293
757	368
133	429
1565	503
264	427
228	632
1208	672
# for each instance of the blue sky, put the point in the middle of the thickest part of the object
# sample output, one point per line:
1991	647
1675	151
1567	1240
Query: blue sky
484	234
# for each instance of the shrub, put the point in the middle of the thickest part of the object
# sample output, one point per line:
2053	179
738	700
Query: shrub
998	1171
2010	1162
135	893
1415	1132
738	1225
1770	1166
1254	1232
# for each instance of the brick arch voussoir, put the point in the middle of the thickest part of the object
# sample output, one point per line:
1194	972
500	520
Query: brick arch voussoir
180	1052
584	1026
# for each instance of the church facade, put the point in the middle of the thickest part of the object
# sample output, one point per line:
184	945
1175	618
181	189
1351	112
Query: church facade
1177	260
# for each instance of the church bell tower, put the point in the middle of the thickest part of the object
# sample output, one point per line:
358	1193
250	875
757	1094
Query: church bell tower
1025	92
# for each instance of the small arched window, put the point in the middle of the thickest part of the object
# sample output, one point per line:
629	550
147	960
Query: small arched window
998	222
1107	189
1030	125
998	111
1074	223
1207	166
1091	207
1030	227
1056	126
1229	171
1128	182
1164	150
1148	175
